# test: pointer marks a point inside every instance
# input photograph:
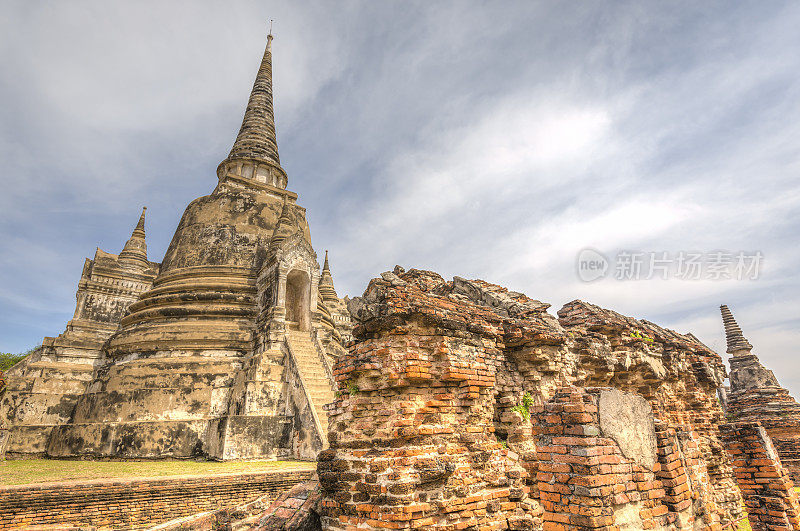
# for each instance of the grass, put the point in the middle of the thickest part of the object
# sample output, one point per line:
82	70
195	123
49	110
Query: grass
744	525
24	471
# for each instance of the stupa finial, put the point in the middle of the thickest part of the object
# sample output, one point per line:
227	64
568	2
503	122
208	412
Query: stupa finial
733	334
326	288
135	250
254	154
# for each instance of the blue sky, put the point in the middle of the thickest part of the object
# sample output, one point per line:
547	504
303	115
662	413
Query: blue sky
480	139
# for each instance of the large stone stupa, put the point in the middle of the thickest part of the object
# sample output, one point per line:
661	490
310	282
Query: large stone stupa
227	353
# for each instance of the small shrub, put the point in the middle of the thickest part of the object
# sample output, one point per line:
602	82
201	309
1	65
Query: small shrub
352	388
524	407
638	335
527	401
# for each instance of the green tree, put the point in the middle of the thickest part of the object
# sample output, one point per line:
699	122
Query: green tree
8	359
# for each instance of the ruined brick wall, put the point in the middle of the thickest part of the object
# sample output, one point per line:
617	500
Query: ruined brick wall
756	396
769	495
678	375
412	441
429	428
126	504
621	472
296	509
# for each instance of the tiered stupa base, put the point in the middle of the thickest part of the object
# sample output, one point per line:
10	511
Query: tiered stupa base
41	391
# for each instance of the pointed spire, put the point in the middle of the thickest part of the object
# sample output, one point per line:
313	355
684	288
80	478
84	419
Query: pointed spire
139	229
733	334
135	250
747	372
326	288
284	227
256	146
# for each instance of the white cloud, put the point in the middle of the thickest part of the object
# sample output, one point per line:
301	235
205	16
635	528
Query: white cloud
518	145
491	141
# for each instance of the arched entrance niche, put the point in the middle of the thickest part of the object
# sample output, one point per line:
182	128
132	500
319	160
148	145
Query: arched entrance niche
298	287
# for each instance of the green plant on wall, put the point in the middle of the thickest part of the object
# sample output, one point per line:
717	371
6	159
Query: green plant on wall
352	388
638	335
525	406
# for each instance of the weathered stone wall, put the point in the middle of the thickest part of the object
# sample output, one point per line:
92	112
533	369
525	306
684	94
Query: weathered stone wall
429	426
129	504
769	495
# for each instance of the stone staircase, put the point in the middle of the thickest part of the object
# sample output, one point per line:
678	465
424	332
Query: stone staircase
313	372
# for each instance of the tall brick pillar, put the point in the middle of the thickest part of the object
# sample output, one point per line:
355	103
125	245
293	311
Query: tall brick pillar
411	440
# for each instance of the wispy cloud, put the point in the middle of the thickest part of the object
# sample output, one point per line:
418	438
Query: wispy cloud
491	141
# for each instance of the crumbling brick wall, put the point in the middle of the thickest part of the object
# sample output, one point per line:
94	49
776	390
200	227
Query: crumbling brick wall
769	495
604	464
134	503
296	509
770	405
678	375
430	428
756	395
412	442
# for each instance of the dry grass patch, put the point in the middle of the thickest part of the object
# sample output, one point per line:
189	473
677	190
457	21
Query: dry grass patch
26	471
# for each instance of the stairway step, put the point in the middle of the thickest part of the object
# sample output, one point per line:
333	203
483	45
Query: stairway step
321	394
313	372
